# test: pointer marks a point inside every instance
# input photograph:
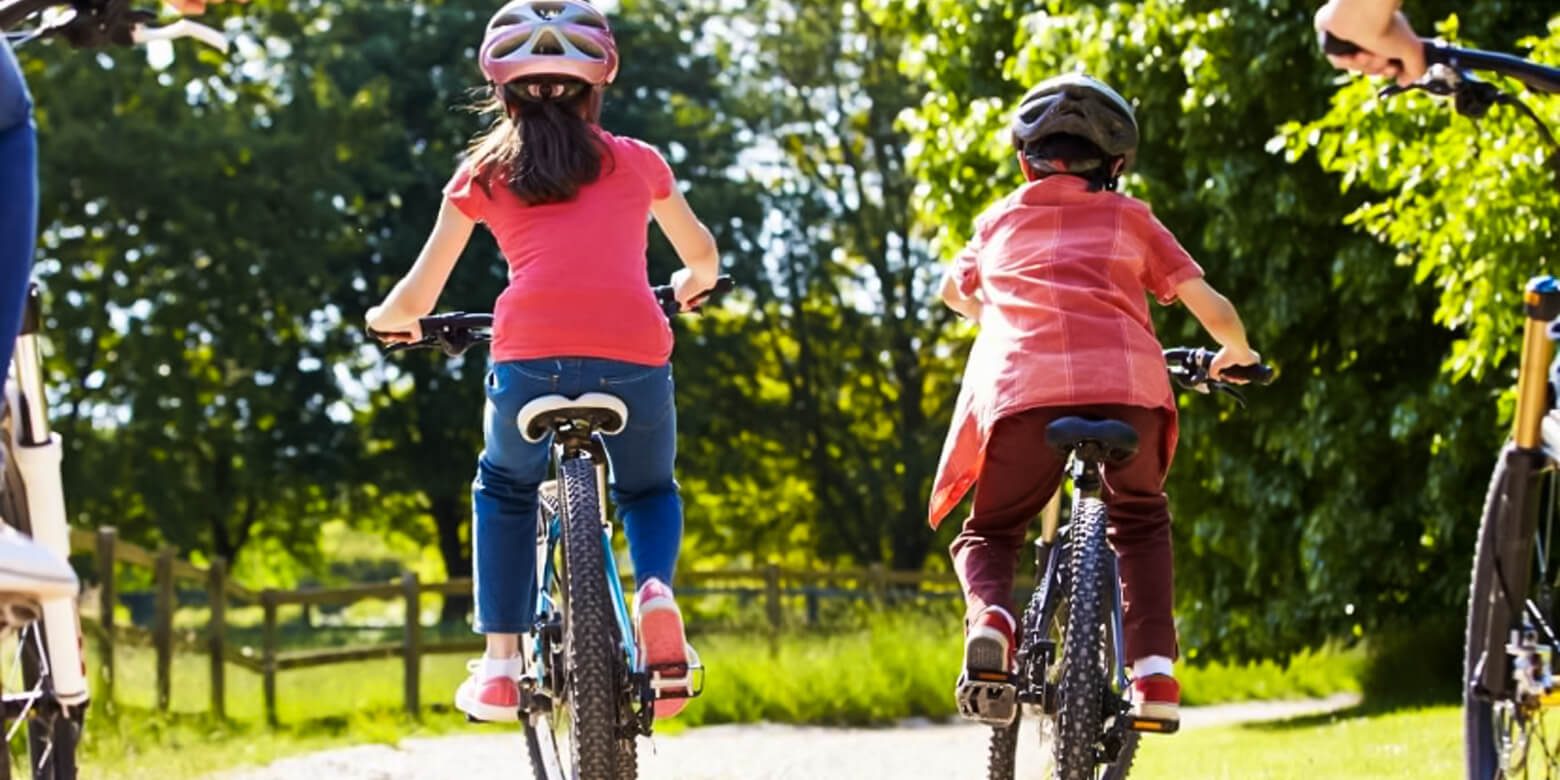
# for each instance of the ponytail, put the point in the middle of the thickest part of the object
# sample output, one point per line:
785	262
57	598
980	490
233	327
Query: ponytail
543	146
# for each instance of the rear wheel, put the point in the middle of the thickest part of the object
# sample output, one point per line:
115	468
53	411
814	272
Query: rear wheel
593	667
1085	699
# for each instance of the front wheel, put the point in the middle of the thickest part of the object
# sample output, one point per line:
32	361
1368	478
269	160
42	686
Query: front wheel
1506	733
52	734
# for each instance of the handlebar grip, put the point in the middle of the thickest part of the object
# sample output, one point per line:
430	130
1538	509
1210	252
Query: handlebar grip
1258	374
1333	46
668	298
1337	47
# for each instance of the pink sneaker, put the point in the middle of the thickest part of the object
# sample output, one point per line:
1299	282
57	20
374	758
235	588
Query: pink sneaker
496	699
661	639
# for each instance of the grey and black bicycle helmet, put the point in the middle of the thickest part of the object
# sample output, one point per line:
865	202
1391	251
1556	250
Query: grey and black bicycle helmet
1076	104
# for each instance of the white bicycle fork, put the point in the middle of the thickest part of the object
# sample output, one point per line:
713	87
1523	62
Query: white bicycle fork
38	451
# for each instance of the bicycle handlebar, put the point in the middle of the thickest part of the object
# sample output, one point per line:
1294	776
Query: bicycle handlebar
456	332
100	23
1539	78
1191	367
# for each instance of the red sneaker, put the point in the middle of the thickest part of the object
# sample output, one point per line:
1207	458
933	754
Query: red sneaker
662	640
496	699
1157	697
989	645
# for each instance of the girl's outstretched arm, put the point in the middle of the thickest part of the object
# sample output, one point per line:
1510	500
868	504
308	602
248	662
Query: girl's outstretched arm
417	292
694	244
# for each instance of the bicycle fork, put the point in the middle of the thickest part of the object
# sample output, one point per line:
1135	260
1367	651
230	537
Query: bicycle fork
38	452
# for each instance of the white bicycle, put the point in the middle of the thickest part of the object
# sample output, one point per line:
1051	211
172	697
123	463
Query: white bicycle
38	589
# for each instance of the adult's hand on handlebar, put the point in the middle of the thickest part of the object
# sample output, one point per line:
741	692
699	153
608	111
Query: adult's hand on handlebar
192	7
391	330
1229	358
1396	51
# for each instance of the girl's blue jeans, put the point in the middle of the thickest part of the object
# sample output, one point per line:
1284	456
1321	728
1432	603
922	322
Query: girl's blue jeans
510	470
18	198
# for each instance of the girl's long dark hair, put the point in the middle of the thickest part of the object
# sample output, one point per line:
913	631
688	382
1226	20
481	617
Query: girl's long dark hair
542	146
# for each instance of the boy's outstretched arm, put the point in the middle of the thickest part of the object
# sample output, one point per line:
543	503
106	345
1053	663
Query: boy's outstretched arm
1219	318
966	305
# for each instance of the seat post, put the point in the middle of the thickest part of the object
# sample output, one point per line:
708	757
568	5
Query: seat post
1086	471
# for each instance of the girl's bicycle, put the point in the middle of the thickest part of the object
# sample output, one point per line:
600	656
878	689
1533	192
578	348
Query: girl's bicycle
587	695
37	587
1070	668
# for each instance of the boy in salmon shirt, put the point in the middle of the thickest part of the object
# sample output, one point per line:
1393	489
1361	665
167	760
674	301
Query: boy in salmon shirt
1057	276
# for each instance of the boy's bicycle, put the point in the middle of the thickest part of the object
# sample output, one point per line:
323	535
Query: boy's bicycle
1069	668
37	587
587	694
1509	683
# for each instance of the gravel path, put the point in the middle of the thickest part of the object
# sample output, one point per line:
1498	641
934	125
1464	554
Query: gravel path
751	752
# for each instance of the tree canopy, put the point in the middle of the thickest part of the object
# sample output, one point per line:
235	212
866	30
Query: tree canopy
215	228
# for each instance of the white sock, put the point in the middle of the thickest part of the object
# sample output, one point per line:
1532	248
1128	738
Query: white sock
502	667
1151	665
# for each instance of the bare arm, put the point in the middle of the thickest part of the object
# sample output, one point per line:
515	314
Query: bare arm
417	292
193	6
694	244
967	305
1219	318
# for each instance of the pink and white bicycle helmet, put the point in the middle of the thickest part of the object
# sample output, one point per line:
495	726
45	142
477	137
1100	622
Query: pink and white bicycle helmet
564	38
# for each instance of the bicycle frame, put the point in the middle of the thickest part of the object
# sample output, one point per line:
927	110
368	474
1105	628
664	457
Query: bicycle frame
38	452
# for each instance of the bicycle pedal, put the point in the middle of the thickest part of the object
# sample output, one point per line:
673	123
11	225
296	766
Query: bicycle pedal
677	681
1153	726
990	701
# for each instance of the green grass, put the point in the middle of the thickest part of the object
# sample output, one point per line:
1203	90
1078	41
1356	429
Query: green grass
1312	674
1417	743
886	669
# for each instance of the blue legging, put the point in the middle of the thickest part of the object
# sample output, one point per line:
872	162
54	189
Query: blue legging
18	198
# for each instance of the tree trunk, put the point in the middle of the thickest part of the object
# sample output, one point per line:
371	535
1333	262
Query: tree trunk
449	515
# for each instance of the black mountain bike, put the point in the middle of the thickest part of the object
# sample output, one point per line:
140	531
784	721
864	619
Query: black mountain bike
1509	684
1070	672
587	694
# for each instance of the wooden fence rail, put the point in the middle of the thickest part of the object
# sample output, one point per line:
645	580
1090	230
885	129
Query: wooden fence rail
768	582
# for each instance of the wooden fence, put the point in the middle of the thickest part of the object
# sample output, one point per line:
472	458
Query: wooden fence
772	583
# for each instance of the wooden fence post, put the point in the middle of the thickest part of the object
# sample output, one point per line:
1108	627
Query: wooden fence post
772	596
878	584
268	654
107	599
162	628
412	651
216	590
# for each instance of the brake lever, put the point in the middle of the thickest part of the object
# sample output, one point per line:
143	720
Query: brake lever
1227	389
1439	80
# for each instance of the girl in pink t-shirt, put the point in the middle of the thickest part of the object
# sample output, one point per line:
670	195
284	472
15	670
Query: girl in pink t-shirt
568	204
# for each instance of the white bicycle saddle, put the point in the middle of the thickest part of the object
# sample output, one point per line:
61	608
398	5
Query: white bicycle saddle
607	414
